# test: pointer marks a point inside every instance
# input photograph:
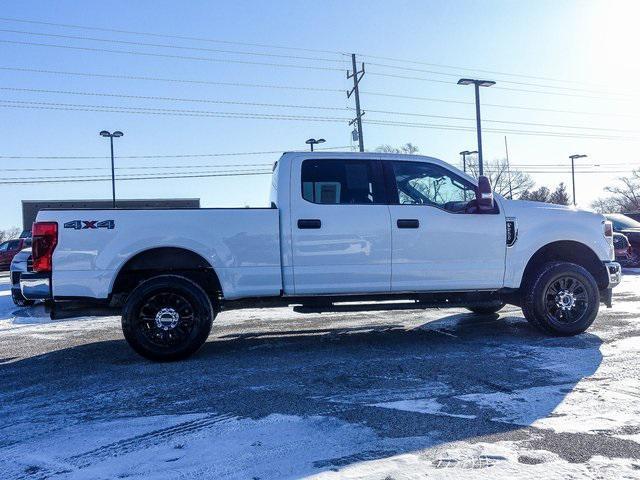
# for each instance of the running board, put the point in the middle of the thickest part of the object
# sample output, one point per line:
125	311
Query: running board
372	307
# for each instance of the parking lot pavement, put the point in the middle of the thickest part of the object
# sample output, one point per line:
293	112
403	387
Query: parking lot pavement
273	394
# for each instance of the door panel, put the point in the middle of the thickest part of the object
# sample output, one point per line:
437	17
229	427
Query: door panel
342	244
438	244
447	251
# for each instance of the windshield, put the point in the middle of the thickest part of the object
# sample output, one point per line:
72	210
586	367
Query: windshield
620	222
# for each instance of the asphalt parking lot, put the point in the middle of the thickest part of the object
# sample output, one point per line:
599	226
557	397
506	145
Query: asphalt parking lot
277	395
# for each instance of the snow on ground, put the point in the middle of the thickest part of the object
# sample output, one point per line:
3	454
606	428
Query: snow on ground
277	395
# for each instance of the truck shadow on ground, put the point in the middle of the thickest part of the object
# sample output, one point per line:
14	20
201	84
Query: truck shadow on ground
458	378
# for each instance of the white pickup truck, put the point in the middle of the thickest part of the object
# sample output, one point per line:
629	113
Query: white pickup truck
345	231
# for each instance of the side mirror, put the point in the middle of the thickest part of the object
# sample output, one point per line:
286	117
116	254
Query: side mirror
484	195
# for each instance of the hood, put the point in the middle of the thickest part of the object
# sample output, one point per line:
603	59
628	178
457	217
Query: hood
547	211
633	234
542	208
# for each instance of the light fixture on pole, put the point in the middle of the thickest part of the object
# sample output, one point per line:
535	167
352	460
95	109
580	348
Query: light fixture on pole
111	136
477	84
464	154
573	175
312	141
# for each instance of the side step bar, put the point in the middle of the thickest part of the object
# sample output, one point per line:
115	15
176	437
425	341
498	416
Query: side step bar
372	307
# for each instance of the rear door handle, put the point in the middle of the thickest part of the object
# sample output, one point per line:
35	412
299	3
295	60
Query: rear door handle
309	223
408	223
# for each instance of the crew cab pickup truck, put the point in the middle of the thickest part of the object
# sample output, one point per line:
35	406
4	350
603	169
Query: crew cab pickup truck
344	231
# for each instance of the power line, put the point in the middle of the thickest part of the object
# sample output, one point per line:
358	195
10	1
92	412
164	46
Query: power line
108	179
510	89
160	35
295	57
282	65
136	175
228	154
150	167
178	47
164	55
493	72
315	89
283	47
179	175
500	130
173	99
187	113
290	117
413	114
173	80
500	80
279	105
170	111
496	105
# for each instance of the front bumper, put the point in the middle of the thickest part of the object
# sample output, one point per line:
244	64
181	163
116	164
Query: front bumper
614	273
614	277
35	286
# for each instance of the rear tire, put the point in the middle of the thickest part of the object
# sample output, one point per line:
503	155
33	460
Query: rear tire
167	318
487	309
561	299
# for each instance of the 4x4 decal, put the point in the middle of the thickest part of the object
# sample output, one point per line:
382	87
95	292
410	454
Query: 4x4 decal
90	224
512	231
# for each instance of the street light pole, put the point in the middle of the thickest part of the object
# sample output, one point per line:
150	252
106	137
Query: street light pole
573	175
477	84
478	128
312	141
116	134
464	159
113	174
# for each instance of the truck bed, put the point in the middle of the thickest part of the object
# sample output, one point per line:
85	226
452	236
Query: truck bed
241	244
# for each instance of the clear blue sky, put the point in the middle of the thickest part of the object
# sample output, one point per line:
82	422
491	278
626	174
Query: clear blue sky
580	41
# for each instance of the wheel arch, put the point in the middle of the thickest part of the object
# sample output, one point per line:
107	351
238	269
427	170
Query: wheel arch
568	251
165	260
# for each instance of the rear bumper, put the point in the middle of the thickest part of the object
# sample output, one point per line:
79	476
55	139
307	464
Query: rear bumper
35	286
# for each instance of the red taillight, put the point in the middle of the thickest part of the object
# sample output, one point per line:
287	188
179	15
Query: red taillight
45	239
608	229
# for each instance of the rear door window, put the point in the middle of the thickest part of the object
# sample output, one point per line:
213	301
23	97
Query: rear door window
335	181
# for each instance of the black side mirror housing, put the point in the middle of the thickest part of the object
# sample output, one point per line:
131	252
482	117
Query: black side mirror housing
484	195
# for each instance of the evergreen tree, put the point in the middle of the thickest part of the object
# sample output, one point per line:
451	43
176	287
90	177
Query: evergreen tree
560	195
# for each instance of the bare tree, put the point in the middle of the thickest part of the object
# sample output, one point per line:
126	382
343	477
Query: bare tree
9	234
507	182
606	205
625	197
408	149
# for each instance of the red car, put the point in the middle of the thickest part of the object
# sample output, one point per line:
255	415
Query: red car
625	255
8	250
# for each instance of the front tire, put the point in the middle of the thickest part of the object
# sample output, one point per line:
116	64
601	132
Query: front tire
19	299
167	318
561	299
